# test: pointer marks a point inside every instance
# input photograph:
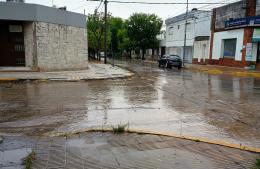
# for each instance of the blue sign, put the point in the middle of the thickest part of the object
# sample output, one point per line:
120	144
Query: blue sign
242	22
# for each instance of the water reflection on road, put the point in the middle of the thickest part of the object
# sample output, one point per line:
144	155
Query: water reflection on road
183	102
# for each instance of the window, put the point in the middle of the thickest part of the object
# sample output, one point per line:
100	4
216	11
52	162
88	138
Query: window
170	30
229	48
179	26
15	28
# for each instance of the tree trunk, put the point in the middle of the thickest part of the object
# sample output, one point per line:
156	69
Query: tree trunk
98	51
130	54
143	54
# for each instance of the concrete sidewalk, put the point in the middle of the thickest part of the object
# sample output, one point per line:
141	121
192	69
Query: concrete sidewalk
105	150
95	72
214	69
217	70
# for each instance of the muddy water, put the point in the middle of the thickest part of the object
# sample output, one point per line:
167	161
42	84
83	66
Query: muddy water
183	102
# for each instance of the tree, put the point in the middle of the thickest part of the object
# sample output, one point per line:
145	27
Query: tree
142	29
96	29
120	41
116	27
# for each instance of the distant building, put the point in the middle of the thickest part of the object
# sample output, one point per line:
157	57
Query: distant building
197	39
42	38
162	43
235	34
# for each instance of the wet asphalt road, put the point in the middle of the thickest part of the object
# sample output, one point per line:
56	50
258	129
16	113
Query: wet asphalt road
217	107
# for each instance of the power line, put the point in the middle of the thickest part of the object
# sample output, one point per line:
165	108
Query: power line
99	5
78	7
207	7
163	3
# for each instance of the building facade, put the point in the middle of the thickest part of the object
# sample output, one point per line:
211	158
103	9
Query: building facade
235	35
197	35
42	38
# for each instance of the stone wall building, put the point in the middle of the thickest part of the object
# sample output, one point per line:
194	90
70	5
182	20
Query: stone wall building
42	38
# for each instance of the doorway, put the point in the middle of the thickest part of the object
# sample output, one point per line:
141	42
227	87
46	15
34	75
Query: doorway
11	44
162	50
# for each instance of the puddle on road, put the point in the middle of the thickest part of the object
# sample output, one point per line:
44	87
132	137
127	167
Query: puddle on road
14	157
177	101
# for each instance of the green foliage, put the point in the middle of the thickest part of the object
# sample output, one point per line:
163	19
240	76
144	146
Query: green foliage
96	31
139	31
257	164
95	28
119	129
142	29
120	41
116	26
27	162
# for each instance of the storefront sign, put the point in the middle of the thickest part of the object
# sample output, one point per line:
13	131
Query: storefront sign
242	22
249	48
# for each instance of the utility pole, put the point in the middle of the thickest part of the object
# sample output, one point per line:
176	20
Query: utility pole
105	59
185	33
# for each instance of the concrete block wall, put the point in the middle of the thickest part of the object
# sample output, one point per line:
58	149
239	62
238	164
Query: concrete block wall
29	44
60	47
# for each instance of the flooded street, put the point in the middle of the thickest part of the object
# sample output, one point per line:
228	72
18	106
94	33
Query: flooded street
189	103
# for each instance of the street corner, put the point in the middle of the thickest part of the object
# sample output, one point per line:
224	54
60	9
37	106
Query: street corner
95	72
133	150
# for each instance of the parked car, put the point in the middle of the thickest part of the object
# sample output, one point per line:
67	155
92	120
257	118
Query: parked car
169	61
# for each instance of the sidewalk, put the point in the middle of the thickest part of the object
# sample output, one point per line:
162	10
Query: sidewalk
217	70
105	150
214	69
94	72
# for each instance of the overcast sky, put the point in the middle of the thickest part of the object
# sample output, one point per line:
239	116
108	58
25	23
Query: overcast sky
125	10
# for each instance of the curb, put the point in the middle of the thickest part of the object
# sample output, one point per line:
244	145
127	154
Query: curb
168	134
65	80
8	79
216	71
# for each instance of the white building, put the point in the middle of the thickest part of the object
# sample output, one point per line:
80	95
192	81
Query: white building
162	42
197	35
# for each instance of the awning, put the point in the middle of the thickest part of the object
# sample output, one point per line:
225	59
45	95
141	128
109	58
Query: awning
256	35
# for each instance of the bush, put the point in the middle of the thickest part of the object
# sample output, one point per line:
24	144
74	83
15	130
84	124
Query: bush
119	129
